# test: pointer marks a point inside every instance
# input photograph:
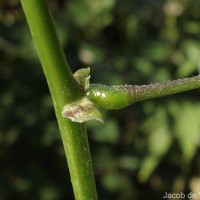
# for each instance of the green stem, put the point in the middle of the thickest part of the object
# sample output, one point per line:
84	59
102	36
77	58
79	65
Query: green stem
64	90
115	97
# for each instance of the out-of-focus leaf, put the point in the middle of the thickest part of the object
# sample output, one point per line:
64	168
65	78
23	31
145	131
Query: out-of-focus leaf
187	128
116	183
157	51
159	143
148	166
107	132
187	59
85	12
192	27
129	163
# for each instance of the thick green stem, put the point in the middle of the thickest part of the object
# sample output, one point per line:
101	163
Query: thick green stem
64	89
116	97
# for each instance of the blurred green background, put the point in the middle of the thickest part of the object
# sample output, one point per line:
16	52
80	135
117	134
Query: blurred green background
140	152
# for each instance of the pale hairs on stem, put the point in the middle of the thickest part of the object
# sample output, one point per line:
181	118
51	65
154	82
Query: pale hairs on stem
116	97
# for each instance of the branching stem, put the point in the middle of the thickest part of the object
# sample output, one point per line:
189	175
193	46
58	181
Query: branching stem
116	97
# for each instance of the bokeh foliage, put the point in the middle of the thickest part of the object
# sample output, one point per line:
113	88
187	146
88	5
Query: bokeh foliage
139	152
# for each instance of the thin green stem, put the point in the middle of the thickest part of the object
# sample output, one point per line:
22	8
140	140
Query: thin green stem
116	97
64	89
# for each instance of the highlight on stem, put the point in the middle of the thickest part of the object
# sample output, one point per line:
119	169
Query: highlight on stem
116	97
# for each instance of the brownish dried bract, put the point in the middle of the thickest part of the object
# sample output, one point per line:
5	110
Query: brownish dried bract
81	111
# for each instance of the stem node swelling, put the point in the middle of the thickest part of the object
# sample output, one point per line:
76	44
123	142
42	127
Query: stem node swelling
116	97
